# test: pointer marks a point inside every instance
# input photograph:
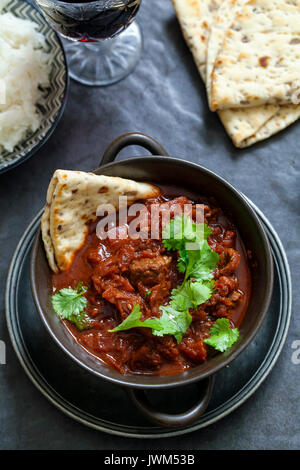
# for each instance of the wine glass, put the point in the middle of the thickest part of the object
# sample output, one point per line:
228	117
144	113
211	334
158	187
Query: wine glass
102	42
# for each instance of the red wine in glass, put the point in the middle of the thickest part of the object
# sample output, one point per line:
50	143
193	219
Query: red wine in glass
89	21
84	25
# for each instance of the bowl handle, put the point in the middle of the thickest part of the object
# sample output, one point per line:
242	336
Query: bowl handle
132	138
141	402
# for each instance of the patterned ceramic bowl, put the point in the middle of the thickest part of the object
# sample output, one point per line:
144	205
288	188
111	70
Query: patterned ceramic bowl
55	98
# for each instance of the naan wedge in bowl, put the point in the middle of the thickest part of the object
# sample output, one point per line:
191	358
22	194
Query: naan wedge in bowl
72	201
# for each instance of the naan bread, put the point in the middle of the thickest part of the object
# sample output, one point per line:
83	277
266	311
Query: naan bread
239	123
259	60
286	116
197	18
220	24
72	201
203	24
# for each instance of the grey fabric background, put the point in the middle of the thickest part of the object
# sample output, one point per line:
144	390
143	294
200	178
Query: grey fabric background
165	98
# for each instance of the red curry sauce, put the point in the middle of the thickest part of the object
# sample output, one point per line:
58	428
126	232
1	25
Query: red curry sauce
120	273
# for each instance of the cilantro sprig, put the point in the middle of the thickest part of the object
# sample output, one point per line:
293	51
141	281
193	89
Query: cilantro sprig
188	238
222	336
197	260
171	322
70	304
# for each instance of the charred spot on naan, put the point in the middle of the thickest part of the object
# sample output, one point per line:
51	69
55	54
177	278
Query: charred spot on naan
264	61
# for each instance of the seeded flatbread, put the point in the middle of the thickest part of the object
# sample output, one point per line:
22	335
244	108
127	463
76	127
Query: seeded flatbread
259	60
72	201
286	116
197	18
244	126
220	24
239	123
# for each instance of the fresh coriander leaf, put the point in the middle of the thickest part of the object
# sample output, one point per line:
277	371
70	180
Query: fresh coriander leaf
173	238
202	263
191	294
186	227
222	336
183	228
183	260
171	322
82	321
180	232
189	239
70	304
181	297
134	321
148	292
200	291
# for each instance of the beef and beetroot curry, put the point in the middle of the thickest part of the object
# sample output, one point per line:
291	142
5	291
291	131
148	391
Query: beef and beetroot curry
157	306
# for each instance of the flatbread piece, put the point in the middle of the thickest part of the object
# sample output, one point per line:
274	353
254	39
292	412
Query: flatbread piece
72	201
259	60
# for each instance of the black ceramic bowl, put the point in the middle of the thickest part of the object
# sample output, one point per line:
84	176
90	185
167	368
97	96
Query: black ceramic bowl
162	170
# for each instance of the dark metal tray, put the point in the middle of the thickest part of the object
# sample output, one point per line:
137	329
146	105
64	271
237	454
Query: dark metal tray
104	406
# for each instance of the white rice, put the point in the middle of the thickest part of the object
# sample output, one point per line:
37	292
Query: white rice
24	67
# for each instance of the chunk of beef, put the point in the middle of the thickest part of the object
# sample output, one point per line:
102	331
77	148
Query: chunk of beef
145	358
149	271
195	350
